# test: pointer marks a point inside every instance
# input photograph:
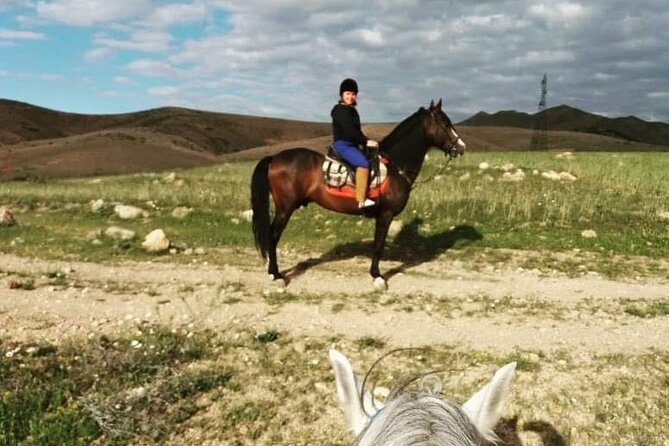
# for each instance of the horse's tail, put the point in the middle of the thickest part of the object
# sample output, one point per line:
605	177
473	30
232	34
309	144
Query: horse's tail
260	205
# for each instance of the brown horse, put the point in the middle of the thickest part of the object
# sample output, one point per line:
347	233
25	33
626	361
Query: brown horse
294	178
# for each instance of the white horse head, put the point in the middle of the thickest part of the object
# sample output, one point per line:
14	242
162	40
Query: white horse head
420	417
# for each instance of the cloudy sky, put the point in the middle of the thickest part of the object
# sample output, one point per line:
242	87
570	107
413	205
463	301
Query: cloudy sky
285	58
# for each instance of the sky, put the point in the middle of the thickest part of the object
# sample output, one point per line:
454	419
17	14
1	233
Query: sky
286	58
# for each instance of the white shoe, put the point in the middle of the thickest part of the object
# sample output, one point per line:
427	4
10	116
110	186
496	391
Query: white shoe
367	203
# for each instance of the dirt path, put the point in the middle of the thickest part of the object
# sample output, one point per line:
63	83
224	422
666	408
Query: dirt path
436	302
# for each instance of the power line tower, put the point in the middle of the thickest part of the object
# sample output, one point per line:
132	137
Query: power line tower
540	135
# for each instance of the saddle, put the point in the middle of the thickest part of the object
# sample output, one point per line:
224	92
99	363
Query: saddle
339	176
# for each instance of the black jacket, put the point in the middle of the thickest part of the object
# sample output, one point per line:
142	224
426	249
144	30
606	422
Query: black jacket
346	125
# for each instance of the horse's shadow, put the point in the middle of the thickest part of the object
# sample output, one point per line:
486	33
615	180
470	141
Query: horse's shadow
409	247
507	431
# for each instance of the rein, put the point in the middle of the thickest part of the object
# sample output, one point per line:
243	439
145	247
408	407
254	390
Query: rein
439	171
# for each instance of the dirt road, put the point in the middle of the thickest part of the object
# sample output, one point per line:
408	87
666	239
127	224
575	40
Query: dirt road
434	303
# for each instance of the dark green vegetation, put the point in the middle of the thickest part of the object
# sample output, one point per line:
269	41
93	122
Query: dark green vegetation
466	213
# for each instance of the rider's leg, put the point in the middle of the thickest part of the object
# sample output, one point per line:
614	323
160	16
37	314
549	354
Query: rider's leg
361	180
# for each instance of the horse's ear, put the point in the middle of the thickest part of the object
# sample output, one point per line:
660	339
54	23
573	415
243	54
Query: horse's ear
432	105
439	104
348	392
486	407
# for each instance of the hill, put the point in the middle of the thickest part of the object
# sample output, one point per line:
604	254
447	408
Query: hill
563	117
36	142
212	132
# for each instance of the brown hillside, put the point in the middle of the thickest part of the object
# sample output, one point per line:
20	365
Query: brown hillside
37	142
101	153
212	132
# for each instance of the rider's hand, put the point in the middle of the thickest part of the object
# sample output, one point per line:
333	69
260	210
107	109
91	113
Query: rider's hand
373	144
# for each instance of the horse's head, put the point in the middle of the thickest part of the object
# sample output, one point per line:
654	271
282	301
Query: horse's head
420	417
441	132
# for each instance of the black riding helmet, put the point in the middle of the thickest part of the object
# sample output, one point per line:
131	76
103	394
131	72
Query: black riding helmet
348	85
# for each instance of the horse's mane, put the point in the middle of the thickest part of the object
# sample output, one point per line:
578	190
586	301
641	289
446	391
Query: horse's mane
408	411
401	130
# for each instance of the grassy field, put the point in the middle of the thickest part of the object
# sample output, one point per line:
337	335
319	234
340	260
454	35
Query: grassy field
146	383
466	213
156	385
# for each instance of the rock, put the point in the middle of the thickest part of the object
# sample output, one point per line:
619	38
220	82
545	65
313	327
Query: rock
170	177
566	176
119	233
551	175
156	241
6	216
488	178
14	283
588	233
664	215
484	166
247	215
97	205
125	212
516	176
565	155
181	212
395	228
507	167
465	177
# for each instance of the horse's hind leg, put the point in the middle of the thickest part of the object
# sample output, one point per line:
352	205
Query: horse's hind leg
279	223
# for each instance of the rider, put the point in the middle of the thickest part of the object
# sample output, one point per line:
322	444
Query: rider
348	138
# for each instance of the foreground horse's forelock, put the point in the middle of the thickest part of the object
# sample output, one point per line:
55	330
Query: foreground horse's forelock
420	418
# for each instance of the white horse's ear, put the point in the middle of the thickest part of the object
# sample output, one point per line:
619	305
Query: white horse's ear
486	406
348	392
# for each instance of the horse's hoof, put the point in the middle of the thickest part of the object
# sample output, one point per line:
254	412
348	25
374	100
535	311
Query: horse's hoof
278	277
380	284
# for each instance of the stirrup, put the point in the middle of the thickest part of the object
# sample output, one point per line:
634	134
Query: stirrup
367	203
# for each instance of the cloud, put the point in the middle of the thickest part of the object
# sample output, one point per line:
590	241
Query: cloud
97	54
565	14
90	12
142	41
123	80
167	90
152	68
168	15
287	58
20	35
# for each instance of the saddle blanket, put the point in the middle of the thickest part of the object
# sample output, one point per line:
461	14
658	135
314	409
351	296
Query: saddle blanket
340	178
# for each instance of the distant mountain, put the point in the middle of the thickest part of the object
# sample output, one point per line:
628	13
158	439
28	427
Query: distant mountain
564	117
216	133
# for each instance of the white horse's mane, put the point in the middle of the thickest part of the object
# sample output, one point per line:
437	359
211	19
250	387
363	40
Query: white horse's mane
420	417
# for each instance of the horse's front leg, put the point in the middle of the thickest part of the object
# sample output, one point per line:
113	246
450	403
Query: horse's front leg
383	221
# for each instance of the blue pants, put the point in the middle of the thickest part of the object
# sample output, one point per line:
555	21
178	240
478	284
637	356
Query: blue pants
350	153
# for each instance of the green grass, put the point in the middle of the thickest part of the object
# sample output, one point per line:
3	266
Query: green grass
82	390
620	196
